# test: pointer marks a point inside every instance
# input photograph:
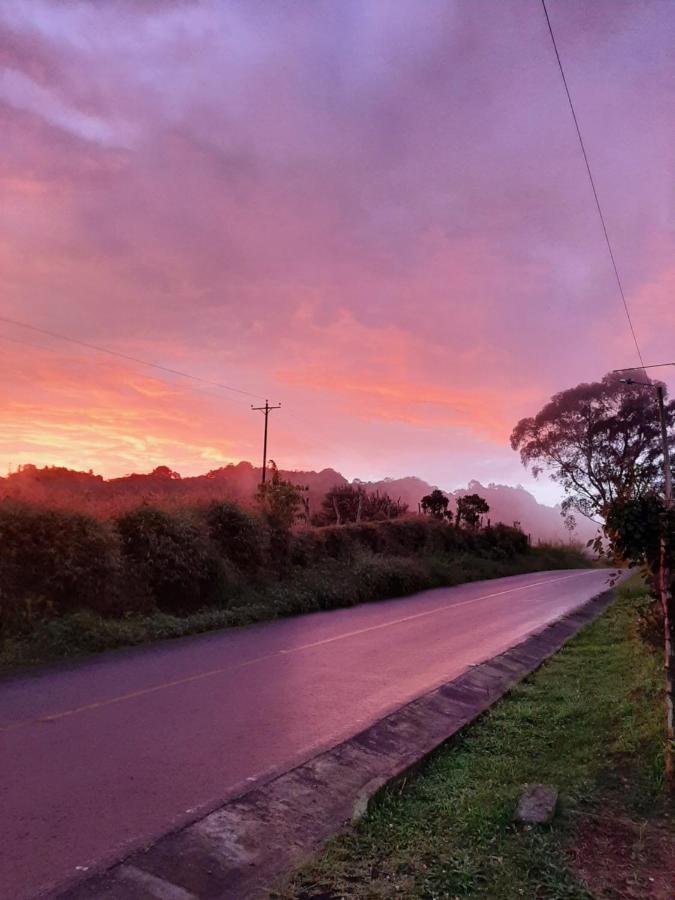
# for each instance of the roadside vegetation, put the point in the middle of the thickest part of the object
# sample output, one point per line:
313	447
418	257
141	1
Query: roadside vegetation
588	722
609	445
72	584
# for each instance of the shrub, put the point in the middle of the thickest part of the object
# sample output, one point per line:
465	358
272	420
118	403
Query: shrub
339	541
238	535
307	547
402	537
561	556
381	577
501	541
170	560
366	535
53	562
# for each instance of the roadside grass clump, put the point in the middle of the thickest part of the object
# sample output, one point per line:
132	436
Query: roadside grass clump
554	555
589	721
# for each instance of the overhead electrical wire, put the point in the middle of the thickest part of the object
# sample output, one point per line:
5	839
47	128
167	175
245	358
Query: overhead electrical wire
54	334
592	181
126	356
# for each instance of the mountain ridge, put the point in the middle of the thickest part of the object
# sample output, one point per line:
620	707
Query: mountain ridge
90	492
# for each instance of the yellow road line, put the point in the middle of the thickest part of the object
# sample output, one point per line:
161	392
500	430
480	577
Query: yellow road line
131	695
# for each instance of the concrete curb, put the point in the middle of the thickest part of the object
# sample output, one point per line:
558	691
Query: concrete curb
239	850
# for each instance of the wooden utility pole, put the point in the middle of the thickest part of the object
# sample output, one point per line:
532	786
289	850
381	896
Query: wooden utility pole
266	409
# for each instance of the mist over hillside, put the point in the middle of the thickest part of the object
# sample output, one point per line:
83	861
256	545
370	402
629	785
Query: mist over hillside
89	492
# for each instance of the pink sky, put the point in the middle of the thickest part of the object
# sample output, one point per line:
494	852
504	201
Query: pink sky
375	212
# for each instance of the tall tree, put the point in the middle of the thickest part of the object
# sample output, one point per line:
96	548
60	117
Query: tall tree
599	441
279	499
470	508
435	505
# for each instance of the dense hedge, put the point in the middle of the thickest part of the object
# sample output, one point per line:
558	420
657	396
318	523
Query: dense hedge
54	563
404	537
169	562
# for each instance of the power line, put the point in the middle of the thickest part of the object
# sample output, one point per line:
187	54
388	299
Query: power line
135	359
590	177
63	337
204	391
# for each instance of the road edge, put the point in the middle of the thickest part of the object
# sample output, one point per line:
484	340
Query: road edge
239	850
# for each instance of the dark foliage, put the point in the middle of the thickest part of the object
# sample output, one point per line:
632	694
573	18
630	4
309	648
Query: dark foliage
239	536
152	562
53	562
352	503
470	508
501	542
279	500
169	560
435	505
635	528
409	536
600	441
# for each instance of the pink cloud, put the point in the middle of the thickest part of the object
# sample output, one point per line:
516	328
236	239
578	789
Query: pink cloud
376	213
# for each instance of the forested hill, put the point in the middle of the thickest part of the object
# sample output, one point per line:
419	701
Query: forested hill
57	486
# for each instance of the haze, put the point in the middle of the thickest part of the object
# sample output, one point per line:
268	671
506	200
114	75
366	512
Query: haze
375	212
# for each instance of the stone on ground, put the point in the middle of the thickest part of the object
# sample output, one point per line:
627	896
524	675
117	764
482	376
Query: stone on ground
537	804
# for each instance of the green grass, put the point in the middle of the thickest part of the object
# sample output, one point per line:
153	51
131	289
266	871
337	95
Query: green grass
365	577
589	721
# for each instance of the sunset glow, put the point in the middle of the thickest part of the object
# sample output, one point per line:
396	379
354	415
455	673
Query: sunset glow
374	212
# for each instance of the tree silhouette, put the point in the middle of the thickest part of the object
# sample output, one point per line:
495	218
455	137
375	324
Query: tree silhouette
435	505
469	510
599	441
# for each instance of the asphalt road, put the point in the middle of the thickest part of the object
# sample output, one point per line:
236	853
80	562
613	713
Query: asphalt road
99	758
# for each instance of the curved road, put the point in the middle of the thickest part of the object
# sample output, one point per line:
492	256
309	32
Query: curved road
100	757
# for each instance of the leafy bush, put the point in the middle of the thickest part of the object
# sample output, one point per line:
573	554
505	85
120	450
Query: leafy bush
552	555
330	584
501	541
170	560
407	536
380	576
53	562
238	535
307	547
339	541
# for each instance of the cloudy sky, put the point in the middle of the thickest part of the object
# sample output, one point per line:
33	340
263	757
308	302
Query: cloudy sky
373	211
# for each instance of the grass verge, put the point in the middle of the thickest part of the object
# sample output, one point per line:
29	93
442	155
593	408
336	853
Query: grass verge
365	577
590	722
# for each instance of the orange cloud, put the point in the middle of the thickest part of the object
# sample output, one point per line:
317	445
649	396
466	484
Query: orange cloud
388	374
82	413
